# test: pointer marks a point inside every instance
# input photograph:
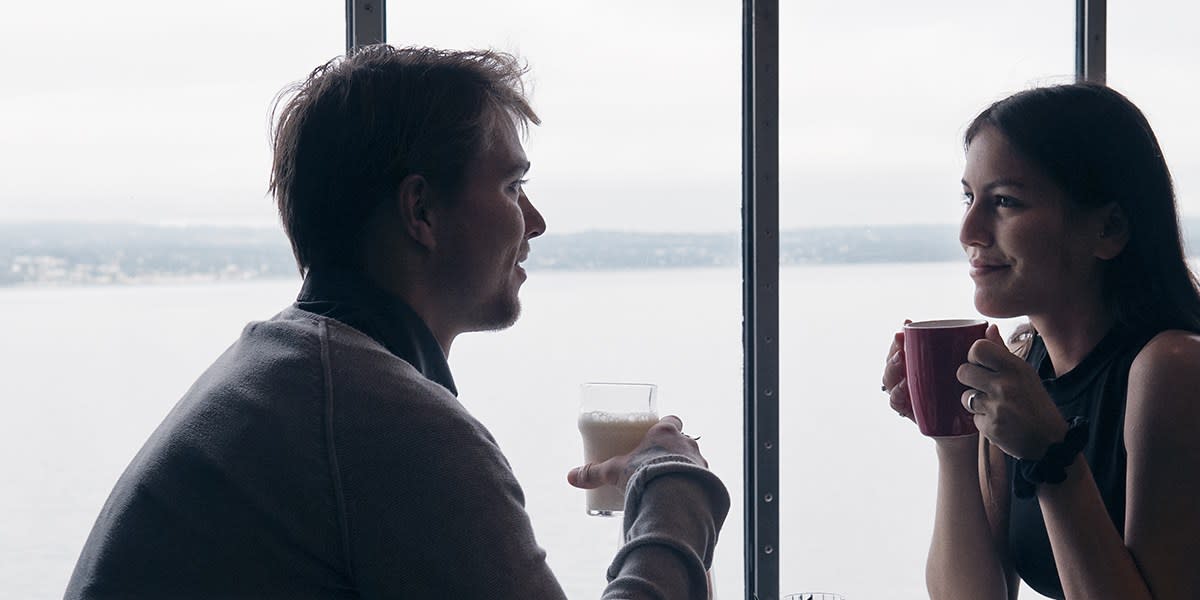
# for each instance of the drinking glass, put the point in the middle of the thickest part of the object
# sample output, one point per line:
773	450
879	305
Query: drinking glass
613	419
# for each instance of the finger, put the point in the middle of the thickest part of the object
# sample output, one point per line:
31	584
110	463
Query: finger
975	376
976	404
993	334
897	343
592	475
893	369
577	475
672	421
899	399
990	355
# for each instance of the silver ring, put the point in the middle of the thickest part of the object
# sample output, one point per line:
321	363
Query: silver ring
971	402
694	439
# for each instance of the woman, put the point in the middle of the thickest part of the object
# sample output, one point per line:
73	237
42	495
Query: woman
1085	478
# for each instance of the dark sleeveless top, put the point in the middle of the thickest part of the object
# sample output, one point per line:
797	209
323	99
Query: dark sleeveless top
1095	390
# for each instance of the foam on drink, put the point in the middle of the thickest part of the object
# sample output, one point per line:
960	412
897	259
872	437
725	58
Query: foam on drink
606	435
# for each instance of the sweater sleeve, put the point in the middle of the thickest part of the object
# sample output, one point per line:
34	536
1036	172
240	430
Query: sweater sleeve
674	510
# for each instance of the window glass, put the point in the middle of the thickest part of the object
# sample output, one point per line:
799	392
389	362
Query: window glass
636	168
1150	59
875	97
126	126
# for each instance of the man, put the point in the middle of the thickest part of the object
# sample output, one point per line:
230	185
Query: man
324	454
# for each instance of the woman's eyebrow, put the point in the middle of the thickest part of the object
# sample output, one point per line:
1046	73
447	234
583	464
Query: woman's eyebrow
1002	182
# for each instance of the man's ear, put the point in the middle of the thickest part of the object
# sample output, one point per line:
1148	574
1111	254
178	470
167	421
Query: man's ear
1114	232
413	200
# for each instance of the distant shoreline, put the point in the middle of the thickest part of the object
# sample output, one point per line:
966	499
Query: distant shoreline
65	254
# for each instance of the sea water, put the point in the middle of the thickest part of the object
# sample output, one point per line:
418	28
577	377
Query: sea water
87	373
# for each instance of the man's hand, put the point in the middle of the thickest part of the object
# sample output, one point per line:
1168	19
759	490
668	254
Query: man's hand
664	438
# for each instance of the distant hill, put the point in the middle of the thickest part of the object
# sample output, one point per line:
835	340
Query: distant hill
76	253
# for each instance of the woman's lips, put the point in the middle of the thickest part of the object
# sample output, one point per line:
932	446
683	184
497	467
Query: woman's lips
985	269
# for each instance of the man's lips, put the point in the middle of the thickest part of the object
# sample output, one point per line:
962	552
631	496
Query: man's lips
520	259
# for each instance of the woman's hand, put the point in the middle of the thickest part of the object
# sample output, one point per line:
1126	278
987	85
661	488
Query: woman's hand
895	380
664	438
1011	407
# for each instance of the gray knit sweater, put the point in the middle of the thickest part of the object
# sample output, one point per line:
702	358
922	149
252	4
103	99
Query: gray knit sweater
316	459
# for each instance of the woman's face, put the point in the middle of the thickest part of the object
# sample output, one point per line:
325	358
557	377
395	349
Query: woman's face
1031	252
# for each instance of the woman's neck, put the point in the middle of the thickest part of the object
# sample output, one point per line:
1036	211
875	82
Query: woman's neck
1070	339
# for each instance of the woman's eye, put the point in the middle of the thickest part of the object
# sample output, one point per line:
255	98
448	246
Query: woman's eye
517	185
1006	201
967	198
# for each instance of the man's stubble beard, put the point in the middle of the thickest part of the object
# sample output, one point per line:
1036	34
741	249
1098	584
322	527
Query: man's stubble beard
496	312
501	313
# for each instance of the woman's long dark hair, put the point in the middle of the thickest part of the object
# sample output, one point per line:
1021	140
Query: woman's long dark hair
1099	148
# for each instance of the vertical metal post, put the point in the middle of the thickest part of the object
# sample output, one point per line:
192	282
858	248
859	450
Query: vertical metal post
1091	40
365	23
760	293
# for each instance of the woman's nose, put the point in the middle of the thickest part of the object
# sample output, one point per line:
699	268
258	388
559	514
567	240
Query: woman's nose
975	228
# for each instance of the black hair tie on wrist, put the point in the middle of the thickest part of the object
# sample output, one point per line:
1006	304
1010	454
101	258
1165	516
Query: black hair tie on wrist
1051	468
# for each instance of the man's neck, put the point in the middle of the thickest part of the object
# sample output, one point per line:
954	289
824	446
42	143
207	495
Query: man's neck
420	301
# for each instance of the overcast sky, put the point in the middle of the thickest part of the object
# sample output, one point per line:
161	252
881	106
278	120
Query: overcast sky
154	112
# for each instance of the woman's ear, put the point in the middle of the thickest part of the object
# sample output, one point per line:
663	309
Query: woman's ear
413	200
1114	232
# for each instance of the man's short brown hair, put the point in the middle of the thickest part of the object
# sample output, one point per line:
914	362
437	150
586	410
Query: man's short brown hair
358	125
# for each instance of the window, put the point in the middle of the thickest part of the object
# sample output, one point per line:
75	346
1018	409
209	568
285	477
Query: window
148	116
636	168
874	100
1150	61
117	114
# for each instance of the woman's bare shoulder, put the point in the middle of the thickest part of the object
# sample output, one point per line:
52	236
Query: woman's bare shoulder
1164	386
1170	350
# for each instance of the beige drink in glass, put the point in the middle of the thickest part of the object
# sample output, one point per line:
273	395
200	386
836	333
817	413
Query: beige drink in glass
613	419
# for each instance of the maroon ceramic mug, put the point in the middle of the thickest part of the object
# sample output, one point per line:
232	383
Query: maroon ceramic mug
933	351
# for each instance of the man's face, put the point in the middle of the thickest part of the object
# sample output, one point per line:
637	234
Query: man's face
484	234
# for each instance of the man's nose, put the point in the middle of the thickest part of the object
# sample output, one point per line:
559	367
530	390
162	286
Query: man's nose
535	224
